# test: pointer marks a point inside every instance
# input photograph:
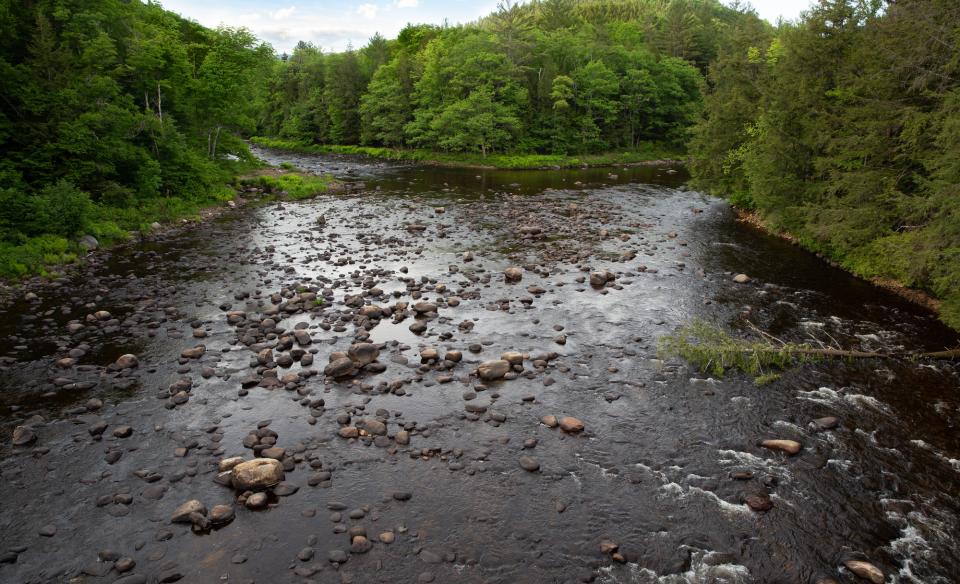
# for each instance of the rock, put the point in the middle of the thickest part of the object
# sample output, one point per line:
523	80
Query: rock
550	421
789	446
600	278
194	353
827	423
387	537
493	370
375	427
23	436
453	356
257	474
759	502
607	547
88	242
741	279
341	367
122	432
228	464
132	579
183	512
48	530
349	432
124	565
274	452
425	307
513	274
363	353
428	354
337	556
529	464
865	570
569	424
127	361
222	514
257	501
512	357
402	438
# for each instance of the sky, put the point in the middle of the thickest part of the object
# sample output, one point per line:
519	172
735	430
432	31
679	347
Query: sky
335	24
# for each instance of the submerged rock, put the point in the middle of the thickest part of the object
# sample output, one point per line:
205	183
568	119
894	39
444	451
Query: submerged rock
257	474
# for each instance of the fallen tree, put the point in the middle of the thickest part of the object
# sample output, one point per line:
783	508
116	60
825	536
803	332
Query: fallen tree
714	351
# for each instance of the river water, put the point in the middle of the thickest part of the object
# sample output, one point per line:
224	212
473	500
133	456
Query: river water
662	469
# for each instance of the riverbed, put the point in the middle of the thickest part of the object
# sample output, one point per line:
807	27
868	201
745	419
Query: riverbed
450	478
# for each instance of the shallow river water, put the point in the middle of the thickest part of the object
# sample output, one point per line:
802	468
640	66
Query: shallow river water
662	469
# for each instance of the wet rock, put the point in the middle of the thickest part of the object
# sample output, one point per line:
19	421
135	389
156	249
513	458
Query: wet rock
124	565
363	353
865	570
608	547
183	512
122	432
600	278
570	424
741	279
337	556
529	464
513	274
493	370
342	367
23	436
791	447
512	357
257	501
827	423
127	362
222	514
349	432
550	421
453	356
257	474
228	464
194	353
759	502
387	537
402	438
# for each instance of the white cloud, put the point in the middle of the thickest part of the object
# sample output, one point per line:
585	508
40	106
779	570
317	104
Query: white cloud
407	3
368	10
283	13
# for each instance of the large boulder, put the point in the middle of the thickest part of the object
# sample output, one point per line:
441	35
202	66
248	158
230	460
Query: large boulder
493	370
257	474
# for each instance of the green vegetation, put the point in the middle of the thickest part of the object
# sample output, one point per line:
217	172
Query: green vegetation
647	153
536	84
114	114
295	186
843	130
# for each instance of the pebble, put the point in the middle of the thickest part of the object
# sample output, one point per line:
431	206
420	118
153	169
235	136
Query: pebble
529	464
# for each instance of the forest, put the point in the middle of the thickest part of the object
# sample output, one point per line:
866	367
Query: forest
840	130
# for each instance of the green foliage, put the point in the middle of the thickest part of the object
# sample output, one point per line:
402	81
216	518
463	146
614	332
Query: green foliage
842	129
555	77
643	153
114	114
294	186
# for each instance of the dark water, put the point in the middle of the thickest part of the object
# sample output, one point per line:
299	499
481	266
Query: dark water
652	472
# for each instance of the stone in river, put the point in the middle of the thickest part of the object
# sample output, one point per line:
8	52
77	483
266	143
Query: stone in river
341	367
512	357
257	501
257	474
865	570
493	370
402	438
194	353
827	423
387	537
229	463
375	427
349	432
570	424
759	502
127	361
550	421
183	512
23	436
529	464
741	278
222	514
363	353
789	446
513	274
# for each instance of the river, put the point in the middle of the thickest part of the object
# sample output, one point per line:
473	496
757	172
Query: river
660	473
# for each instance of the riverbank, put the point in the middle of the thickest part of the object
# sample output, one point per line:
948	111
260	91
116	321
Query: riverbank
918	297
42	259
651	154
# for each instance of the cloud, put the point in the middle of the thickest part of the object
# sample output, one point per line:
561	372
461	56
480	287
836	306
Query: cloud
368	10
283	13
407	3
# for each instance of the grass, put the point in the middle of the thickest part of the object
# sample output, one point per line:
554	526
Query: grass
649	152
293	185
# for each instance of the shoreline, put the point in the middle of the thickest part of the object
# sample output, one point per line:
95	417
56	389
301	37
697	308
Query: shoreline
10	290
913	295
519	162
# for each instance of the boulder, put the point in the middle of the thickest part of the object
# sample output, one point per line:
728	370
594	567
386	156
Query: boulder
257	474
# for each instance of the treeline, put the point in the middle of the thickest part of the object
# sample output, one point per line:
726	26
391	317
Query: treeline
113	113
547	76
844	130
